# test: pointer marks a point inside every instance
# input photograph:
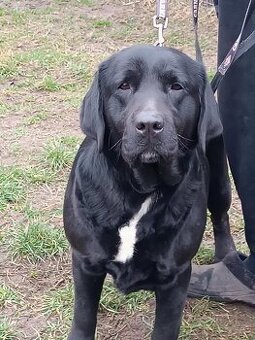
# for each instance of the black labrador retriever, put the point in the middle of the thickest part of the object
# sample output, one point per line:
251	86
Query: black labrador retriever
136	200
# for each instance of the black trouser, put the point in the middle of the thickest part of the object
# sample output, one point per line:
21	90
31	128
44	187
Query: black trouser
236	97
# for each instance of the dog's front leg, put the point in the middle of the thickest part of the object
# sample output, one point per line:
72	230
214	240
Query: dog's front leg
87	291
169	308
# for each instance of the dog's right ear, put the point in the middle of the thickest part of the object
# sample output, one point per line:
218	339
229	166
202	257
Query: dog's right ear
91	116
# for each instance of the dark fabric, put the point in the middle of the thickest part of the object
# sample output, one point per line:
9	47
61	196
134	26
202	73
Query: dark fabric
236	96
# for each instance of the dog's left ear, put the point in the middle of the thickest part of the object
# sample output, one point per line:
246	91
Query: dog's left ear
209	125
91	116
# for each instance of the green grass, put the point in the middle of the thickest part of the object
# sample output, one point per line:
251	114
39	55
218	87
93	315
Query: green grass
102	24
36	118
39	175
11	186
49	84
60	302
43	57
3	109
6	333
31	213
210	74
59	152
7	296
113	301
199	320
204	255
36	241
8	68
2	12
86	2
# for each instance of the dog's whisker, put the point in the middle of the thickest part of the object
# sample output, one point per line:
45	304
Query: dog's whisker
185	138
183	146
116	144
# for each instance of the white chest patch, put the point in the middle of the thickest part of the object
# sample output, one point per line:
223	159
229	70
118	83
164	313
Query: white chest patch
128	234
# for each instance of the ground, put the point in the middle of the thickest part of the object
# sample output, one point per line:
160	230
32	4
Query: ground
49	50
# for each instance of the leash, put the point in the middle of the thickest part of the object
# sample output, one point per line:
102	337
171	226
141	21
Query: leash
237	50
160	20
195	11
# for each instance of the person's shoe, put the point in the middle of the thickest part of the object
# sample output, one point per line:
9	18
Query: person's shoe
228	280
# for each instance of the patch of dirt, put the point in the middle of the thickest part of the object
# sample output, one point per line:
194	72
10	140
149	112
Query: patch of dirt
23	4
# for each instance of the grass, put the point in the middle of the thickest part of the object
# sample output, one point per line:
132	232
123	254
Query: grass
199	320
7	69
204	255
102	24
7	296
6	333
113	301
15	180
3	109
12	186
49	84
60	302
36	241
39	175
59	152
36	118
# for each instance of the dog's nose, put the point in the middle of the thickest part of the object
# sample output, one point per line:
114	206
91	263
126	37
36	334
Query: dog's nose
148	123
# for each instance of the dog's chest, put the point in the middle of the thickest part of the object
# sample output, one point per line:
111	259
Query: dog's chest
128	233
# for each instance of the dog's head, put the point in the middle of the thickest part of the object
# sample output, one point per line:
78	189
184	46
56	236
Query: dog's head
151	103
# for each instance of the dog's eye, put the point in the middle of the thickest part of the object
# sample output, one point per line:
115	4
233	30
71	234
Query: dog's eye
175	87
124	86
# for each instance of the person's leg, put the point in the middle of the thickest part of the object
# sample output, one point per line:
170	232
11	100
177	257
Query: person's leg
233	279
236	98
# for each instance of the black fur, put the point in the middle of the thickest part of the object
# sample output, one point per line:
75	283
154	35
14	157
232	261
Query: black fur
127	157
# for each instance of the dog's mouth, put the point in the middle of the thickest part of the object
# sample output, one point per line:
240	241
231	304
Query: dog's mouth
149	157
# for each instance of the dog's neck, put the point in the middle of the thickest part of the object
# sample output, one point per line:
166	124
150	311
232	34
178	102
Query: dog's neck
148	178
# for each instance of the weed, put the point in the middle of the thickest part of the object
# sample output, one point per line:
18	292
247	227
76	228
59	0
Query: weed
36	241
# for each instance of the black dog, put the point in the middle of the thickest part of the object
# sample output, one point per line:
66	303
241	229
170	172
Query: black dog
136	201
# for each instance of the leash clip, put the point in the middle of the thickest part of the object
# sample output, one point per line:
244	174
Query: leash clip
161	24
